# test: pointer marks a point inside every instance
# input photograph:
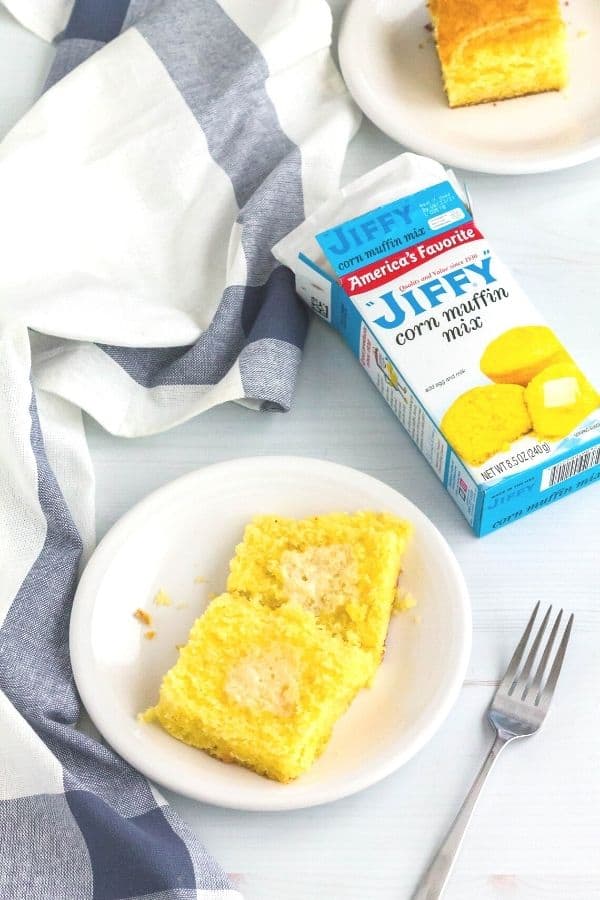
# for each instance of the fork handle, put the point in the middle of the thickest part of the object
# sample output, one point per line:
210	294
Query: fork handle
432	885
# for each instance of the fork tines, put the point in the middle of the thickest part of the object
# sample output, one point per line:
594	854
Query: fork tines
518	682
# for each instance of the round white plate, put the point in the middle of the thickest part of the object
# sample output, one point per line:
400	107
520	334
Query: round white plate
188	530
391	68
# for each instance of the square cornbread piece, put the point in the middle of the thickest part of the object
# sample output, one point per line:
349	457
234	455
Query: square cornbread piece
258	686
341	567
495	49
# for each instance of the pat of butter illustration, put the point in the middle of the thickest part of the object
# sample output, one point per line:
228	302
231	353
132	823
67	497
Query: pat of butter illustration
559	398
560	392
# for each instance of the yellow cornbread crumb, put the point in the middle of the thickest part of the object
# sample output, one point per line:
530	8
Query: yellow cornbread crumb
558	399
150	635
341	567
142	616
517	355
161	598
485	420
495	49
259	686
403	600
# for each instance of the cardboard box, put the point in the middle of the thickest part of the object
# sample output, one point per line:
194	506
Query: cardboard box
486	390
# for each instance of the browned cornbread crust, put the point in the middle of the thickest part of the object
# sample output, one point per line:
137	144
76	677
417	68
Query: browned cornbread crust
496	49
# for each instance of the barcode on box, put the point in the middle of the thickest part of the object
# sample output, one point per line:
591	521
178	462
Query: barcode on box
574	466
315	290
320	307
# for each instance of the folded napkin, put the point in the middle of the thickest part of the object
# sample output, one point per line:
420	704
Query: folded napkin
176	143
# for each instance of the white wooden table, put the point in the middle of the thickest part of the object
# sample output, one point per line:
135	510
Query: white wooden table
537	829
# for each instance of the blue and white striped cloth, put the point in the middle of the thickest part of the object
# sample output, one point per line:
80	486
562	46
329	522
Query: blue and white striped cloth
177	141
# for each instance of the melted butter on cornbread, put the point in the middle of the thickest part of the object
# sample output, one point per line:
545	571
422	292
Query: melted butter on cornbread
320	578
266	681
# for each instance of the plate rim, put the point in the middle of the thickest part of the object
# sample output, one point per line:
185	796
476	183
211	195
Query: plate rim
447	154
80	646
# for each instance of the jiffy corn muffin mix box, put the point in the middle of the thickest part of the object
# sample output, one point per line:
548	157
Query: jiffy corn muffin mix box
484	387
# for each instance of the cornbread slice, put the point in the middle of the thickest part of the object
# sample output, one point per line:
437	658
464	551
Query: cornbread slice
485	420
517	355
341	567
558	399
258	686
495	49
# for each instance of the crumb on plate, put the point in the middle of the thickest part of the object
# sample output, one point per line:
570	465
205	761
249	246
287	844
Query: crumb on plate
142	616
162	598
404	600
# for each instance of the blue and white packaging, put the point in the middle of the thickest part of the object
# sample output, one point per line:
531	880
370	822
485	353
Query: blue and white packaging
396	264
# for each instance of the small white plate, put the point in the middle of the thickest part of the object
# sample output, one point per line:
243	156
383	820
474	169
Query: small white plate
189	529
391	68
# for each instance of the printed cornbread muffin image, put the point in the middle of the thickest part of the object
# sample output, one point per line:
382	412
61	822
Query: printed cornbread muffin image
343	568
259	686
485	420
496	49
538	388
517	355
558	399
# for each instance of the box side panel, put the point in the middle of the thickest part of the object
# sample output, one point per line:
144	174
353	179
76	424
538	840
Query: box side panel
521	494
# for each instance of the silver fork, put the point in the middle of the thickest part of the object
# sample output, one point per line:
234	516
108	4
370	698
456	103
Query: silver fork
517	710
